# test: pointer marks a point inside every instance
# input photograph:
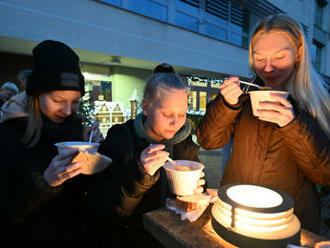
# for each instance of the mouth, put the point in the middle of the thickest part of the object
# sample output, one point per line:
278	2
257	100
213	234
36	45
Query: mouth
171	131
60	118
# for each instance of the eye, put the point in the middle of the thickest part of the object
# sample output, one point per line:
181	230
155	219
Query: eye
279	56
259	59
57	100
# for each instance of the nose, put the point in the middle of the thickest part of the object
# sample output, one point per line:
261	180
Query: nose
173	121
269	66
67	109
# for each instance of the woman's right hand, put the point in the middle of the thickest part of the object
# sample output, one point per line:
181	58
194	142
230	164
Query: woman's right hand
230	90
60	168
153	157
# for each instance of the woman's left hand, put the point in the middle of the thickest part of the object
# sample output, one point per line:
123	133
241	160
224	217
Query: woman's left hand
200	183
280	111
97	135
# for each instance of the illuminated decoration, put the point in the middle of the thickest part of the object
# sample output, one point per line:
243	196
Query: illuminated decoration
202	90
103	115
117	115
109	114
203	81
249	215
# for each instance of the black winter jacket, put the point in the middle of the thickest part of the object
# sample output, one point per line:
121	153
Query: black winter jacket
33	213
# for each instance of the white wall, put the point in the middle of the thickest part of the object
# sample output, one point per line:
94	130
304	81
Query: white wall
90	25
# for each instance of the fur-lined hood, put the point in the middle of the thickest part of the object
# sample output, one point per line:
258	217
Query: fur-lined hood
15	107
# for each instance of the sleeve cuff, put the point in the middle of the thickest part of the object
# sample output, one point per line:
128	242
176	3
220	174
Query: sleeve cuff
43	186
144	178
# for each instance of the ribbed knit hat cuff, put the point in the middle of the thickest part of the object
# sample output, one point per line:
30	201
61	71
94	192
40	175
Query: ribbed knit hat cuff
40	82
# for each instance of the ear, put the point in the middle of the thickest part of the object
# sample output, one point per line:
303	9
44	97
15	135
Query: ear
145	107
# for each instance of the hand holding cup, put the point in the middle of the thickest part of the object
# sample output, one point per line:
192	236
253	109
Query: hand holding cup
200	183
272	106
60	168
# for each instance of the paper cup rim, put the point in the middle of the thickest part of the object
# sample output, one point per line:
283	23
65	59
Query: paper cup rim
76	143
252	92
184	172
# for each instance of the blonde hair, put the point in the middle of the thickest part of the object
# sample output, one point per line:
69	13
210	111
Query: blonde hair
33	130
162	81
305	85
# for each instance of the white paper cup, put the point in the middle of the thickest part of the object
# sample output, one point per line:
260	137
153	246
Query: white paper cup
81	145
183	182
263	96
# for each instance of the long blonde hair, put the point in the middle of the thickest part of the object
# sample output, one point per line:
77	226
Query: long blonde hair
305	85
33	130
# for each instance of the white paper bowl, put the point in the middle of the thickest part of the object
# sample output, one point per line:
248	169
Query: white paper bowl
263	96
183	182
82	146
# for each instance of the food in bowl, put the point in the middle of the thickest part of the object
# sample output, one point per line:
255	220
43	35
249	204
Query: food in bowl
182	167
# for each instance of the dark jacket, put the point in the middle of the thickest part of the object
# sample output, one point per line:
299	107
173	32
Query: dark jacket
291	158
138	191
33	213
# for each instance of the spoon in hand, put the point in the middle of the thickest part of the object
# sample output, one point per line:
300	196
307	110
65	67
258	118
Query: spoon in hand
90	137
255	85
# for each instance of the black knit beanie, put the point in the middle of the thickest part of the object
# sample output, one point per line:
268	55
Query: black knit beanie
56	67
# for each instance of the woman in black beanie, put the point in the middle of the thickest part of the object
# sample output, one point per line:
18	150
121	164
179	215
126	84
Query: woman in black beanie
42	194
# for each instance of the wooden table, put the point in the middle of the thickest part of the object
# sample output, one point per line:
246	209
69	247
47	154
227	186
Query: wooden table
172	232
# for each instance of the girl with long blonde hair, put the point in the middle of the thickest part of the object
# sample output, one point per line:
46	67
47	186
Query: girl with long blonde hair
285	145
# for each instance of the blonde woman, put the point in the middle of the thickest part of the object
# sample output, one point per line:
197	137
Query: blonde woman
139	149
287	146
41	191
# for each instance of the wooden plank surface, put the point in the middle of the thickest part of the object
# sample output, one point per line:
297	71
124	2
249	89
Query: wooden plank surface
172	232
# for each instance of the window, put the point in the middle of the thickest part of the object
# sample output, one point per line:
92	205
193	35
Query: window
318	15
99	90
149	8
317	54
226	20
187	15
202	100
202	91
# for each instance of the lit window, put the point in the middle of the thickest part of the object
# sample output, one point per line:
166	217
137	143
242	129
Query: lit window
193	100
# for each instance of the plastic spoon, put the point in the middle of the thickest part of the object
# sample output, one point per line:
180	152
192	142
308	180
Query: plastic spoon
172	162
255	85
178	167
90	137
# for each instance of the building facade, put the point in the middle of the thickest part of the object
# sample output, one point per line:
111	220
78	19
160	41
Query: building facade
121	41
